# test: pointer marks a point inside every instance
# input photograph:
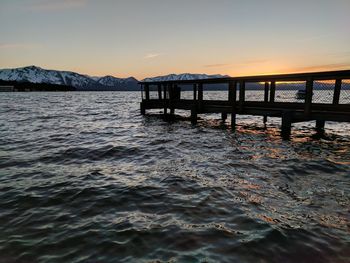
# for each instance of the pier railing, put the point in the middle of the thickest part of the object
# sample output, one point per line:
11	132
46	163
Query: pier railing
303	96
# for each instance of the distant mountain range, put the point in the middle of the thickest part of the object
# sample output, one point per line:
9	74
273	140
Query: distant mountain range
184	76
33	74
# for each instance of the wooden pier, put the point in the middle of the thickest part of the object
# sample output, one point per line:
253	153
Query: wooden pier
325	96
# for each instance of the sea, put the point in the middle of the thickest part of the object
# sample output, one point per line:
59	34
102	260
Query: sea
85	178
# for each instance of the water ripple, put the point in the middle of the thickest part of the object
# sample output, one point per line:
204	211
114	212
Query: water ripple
85	178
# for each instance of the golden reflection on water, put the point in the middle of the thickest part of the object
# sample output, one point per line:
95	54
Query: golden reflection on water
331	221
268	219
341	162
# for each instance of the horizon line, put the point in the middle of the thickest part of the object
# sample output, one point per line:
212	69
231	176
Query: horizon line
285	72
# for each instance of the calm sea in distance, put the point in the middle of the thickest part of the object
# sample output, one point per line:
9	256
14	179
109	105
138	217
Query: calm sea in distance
85	178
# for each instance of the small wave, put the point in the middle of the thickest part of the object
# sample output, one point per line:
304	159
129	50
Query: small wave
82	154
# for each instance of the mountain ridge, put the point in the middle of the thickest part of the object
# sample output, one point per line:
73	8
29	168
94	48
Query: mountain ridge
183	76
34	74
38	75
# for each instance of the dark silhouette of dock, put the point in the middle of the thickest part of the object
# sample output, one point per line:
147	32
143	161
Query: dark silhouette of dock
320	96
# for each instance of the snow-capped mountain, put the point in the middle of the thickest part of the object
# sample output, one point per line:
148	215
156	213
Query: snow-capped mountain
35	74
184	76
111	81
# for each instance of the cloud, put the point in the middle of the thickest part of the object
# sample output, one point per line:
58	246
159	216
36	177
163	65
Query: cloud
18	46
216	65
53	5
152	55
256	61
244	63
324	67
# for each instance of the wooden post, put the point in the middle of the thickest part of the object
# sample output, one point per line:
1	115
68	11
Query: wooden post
272	91
172	88
200	96
337	89
266	99
159	91
194	106
142	108
286	125
232	86
223	116
194	114
176	92
165	91
147	91
265	120
194	92
320	126
142	88
241	95
170	92
266	92
233	121
232	90
165	99
308	98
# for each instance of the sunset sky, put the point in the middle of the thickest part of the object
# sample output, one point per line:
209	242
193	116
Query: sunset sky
144	38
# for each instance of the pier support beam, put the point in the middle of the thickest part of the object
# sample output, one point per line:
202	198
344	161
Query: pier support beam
320	126
165	113
165	100
241	95
308	97
286	125
159	91
223	116
232	97
265	120
272	91
172	89
337	89
143	109
194	92
233	121
200	96
194	115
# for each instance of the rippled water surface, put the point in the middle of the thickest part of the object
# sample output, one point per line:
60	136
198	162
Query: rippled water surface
85	178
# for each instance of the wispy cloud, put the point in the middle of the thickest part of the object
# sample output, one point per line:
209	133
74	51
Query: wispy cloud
216	65
325	67
256	61
53	5
18	46
152	55
243	63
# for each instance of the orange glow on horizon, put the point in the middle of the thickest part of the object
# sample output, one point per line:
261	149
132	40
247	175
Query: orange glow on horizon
289	70
234	73
240	70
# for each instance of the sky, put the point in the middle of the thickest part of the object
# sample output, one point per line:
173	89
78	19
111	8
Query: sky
145	38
